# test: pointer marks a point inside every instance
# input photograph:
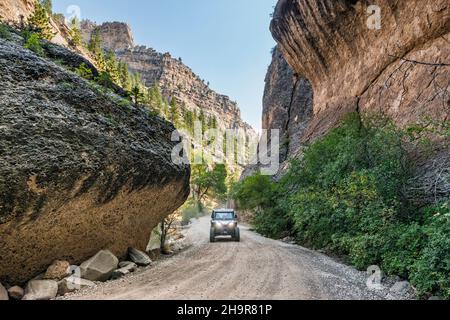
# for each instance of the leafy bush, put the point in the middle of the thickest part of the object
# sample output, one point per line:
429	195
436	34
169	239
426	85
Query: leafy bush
33	43
431	272
84	71
345	196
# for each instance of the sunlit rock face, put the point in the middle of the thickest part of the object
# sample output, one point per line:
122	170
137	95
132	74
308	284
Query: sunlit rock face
175	79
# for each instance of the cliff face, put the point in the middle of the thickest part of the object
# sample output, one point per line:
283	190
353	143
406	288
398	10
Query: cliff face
354	68
175	79
13	10
80	170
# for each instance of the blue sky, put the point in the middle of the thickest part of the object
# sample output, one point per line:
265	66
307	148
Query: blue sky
226	42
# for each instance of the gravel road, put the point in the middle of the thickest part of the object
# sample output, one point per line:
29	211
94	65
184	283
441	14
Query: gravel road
256	268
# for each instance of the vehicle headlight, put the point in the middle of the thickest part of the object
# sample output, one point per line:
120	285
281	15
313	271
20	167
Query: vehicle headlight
232	224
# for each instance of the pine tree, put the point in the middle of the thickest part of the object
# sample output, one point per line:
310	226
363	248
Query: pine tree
75	32
136	94
112	66
202	119
39	22
174	112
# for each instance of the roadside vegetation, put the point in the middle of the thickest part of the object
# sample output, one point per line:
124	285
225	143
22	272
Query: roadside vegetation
347	196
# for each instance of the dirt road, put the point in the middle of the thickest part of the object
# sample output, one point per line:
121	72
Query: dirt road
256	268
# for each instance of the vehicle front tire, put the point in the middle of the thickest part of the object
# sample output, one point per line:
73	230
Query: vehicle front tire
237	235
212	236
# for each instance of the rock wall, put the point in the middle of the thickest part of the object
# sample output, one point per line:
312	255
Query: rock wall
80	169
354	68
400	70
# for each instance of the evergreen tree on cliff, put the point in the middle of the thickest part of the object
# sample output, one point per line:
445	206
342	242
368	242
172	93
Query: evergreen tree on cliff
39	22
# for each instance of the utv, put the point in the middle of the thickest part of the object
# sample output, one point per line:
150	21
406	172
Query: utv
224	223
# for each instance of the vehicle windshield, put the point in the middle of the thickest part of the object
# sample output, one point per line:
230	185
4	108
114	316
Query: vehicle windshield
224	215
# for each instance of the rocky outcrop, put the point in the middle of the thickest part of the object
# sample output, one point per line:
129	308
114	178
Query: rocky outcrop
287	104
80	169
396	70
175	79
113	35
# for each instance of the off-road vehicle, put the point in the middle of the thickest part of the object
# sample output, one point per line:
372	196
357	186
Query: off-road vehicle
224	222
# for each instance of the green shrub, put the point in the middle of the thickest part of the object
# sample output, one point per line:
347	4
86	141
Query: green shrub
33	43
191	210
104	79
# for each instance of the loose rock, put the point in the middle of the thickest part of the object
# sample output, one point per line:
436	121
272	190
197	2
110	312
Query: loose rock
41	290
72	283
139	257
3	293
58	270
100	266
16	293
124	264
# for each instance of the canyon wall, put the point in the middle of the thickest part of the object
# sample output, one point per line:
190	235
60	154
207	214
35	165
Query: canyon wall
395	70
15	10
287	104
174	78
81	169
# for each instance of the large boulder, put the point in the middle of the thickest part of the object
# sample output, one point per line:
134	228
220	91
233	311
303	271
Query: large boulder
41	290
139	257
3	293
100	266
72	284
81	169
